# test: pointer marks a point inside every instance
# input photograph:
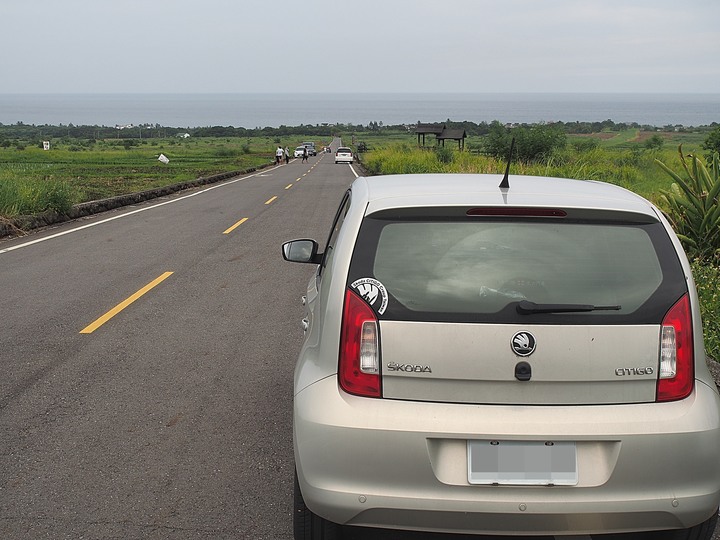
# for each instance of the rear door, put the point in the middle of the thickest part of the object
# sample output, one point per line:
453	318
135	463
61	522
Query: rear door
466	310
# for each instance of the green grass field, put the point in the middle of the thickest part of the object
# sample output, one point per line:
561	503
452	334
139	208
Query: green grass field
73	171
616	157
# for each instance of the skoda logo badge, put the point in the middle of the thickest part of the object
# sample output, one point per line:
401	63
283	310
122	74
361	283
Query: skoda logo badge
523	344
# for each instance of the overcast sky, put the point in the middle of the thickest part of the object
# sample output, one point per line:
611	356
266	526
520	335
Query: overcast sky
217	46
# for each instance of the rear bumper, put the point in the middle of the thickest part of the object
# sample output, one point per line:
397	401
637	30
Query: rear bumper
401	464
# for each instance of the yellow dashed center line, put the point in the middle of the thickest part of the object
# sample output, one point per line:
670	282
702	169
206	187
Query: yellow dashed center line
231	229
270	200
89	329
288	186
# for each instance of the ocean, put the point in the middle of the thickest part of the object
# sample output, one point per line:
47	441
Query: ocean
274	110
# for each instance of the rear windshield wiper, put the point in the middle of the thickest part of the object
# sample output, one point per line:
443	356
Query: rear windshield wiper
526	307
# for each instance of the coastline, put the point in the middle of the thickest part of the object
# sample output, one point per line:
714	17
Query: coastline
290	109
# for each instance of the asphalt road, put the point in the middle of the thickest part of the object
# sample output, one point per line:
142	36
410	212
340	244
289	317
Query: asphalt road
172	419
146	361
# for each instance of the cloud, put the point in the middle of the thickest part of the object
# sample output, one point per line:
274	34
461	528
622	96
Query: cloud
374	45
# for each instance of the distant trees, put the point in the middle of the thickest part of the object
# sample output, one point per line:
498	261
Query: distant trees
534	140
532	143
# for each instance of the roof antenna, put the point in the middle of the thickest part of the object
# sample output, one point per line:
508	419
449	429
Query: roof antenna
505	184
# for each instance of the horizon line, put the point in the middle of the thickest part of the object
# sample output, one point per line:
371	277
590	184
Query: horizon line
368	92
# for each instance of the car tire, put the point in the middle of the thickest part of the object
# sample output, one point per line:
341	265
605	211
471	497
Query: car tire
703	531
310	526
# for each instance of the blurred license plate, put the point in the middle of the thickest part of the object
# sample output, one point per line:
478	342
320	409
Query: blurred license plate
525	463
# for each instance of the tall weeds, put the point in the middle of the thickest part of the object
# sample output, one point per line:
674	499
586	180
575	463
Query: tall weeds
706	277
635	172
34	196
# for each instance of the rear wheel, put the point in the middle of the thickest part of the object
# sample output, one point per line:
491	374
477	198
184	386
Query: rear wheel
310	526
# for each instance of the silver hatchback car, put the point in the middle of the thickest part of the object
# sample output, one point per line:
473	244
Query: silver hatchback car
502	360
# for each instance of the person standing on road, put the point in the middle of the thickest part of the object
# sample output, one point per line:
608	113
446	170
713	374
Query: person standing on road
304	155
278	155
287	155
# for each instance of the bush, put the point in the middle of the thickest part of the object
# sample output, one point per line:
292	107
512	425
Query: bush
226	152
712	144
401	159
585	144
444	155
706	278
34	196
654	143
692	206
532	144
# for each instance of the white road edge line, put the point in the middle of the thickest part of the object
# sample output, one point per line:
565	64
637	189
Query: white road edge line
56	235
351	168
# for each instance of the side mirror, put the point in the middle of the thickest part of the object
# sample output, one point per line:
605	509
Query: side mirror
302	251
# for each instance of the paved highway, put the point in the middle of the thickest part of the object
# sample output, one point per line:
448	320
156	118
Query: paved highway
147	363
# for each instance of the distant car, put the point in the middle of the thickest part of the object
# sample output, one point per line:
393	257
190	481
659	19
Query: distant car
299	151
343	155
485	358
311	148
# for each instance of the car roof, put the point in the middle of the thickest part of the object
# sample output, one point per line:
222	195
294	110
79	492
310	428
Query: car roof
425	190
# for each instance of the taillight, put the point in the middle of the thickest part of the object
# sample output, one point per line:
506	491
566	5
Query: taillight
359	365
677	363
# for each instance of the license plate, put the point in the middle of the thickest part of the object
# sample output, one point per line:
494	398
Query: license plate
524	463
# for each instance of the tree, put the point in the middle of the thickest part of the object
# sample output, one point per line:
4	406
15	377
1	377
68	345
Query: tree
497	141
532	143
654	143
712	144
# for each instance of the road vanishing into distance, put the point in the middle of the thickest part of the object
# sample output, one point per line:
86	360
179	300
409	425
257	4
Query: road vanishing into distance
146	364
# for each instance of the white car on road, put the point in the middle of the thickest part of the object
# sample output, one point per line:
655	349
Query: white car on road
343	155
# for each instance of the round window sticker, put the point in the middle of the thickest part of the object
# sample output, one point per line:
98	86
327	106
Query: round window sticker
371	289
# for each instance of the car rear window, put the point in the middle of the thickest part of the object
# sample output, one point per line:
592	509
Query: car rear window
480	269
344	150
